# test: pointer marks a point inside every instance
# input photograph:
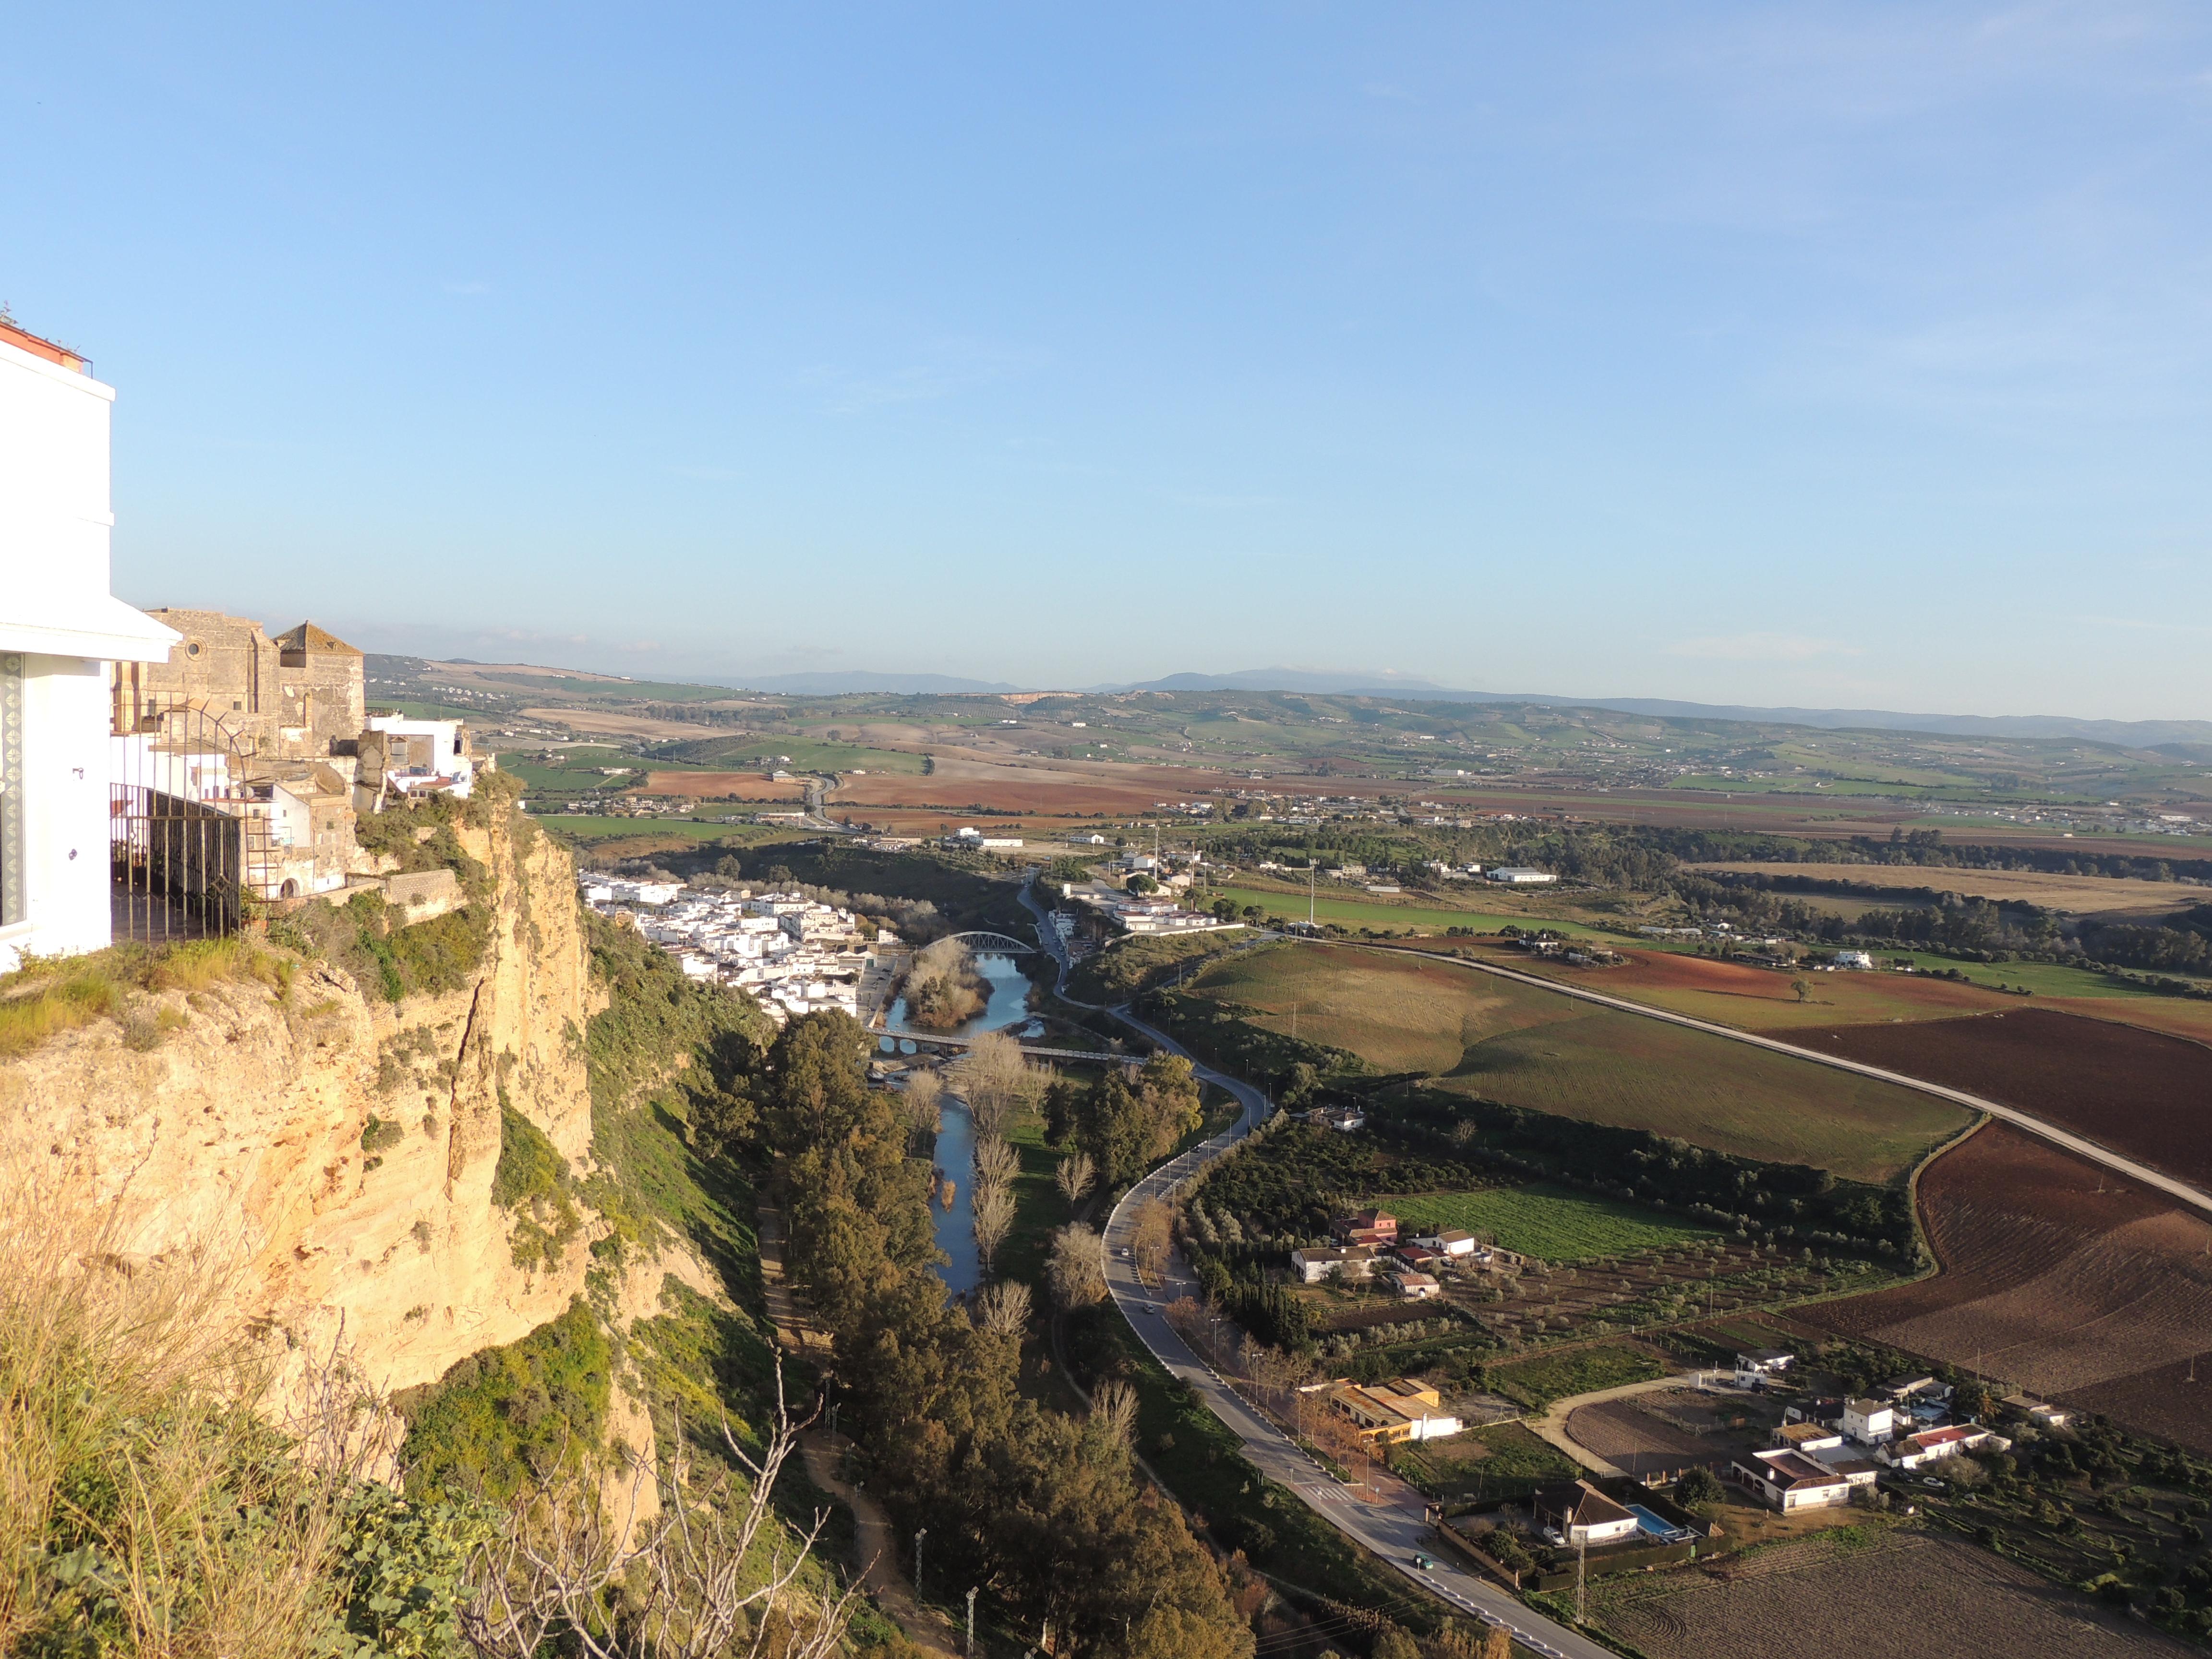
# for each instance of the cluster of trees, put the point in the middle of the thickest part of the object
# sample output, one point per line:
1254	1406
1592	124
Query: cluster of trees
1606	855
2181	945
1955	925
1123	1127
943	989
1044	1510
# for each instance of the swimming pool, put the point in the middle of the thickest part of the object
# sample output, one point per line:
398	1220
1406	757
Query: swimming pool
1662	1531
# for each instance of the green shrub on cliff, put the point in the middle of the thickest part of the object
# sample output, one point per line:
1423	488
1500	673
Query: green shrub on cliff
506	1416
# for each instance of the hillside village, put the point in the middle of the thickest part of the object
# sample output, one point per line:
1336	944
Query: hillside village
794	955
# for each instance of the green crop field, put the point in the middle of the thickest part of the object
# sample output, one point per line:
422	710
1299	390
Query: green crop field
1537	1383
1555	1223
1380	914
1477	1034
1503	1460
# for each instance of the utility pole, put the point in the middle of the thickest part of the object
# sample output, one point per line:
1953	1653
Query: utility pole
1582	1580
920	1533
971	1622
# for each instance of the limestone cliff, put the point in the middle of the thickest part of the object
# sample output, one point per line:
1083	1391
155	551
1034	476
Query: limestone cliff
337	1148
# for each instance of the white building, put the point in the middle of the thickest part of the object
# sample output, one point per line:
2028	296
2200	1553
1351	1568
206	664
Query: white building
1352	1261
400	756
1934	1445
60	627
1790	1480
1514	875
1449	1241
1871	1422
1580	1515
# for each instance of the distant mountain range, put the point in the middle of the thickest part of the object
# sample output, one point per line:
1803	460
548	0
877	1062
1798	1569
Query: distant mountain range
2191	736
2134	734
845	682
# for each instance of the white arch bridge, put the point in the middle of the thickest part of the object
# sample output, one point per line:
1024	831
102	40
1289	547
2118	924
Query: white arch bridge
994	942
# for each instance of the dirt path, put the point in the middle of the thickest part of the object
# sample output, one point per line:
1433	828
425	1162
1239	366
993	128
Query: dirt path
1552	1426
875	1547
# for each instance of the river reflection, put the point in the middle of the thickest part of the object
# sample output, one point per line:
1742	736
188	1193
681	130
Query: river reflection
1008	1007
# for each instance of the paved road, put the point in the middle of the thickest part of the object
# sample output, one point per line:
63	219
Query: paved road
1394	1532
2194	1198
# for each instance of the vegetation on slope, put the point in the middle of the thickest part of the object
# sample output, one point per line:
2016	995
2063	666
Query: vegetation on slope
1046	1510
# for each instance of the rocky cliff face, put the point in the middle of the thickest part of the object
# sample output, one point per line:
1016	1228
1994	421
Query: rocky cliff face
336	1151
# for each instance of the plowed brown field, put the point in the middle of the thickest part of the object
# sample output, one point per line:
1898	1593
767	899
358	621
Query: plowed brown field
1907	1595
2058	1277
2137	1091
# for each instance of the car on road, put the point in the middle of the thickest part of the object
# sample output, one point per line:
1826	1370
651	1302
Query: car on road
1422	1563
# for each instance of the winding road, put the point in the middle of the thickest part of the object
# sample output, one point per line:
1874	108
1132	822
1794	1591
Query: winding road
1393	1531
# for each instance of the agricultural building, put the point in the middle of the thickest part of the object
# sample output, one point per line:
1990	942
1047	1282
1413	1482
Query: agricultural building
1807	1438
1790	1480
1450	1241
1753	1370
1366	1227
1933	1445
1349	1260
1902	1389
1580	1515
1414	1287
1514	875
1395	1411
1858	1471
2038	1412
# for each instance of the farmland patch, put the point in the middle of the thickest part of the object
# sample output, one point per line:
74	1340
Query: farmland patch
1480	1035
1537	1383
1555	1223
1898	1595
2059	1277
2137	1091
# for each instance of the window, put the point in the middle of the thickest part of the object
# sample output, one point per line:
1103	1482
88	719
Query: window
192	647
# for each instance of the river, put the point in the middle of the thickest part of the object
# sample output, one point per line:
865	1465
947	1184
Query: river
1007	1007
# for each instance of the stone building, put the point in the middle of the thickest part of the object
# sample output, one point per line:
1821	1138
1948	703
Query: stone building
296	697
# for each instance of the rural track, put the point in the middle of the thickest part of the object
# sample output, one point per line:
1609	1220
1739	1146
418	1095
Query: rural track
2194	1197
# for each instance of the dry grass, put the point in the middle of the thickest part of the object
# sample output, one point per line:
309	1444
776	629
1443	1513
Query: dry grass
49	995
146	1507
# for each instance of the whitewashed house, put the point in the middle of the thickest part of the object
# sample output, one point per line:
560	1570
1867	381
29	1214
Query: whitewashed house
60	627
1871	1422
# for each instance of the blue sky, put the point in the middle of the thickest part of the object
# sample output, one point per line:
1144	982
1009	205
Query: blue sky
1782	355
